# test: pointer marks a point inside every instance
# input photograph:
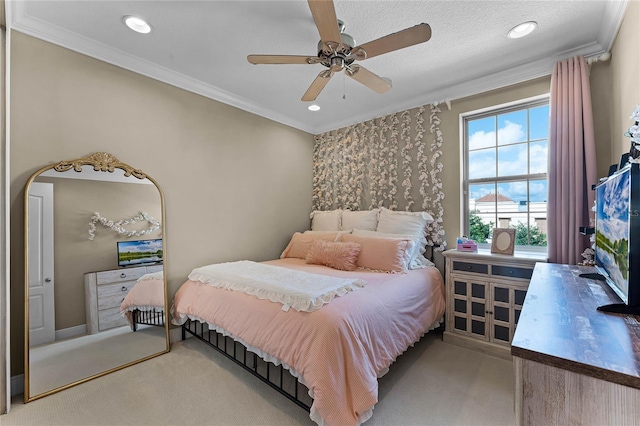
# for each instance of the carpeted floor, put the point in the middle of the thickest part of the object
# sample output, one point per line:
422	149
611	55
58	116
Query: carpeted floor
434	383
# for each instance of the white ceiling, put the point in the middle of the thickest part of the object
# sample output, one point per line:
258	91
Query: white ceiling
202	47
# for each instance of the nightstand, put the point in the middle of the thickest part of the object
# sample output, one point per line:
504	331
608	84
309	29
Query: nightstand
485	293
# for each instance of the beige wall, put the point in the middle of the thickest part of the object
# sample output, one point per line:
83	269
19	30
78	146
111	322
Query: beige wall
75	201
236	185
625	80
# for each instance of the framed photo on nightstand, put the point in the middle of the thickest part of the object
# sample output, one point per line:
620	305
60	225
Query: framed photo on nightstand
503	241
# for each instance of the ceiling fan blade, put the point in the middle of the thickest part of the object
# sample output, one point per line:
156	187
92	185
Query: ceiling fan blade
324	15
316	87
369	79
281	59
405	38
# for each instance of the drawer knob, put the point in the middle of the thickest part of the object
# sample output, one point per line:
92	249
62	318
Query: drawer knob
123	275
123	288
469	267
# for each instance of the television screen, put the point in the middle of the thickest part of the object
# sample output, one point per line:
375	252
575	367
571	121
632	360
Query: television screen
613	204
139	252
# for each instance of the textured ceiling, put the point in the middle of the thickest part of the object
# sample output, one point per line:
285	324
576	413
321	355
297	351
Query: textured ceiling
202	46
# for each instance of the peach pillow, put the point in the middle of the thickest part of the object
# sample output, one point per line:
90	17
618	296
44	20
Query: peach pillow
300	243
382	254
335	255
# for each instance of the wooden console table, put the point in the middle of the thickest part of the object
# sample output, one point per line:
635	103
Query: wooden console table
573	364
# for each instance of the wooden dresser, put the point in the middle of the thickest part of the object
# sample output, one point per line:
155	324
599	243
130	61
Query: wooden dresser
104	291
575	365
485	293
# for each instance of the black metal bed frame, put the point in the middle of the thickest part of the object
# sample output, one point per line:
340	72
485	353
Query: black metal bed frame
275	376
152	317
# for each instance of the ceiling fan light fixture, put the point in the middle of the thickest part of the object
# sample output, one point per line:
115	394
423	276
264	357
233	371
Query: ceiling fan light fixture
522	30
137	24
313	107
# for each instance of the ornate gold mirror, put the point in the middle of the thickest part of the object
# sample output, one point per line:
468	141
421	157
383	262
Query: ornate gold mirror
95	292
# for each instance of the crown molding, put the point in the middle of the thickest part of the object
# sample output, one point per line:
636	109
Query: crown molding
612	19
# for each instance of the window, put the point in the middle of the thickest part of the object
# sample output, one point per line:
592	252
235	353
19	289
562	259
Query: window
505	172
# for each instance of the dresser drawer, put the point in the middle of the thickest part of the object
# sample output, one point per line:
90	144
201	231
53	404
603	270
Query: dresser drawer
119	275
112	295
513	272
476	268
110	318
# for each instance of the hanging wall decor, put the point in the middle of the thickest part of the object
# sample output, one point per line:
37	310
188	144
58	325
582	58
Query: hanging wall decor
119	226
385	162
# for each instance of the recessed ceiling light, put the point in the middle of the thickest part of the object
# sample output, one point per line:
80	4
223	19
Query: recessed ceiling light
314	107
523	29
138	25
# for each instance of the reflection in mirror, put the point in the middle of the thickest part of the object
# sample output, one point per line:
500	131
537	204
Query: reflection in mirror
94	272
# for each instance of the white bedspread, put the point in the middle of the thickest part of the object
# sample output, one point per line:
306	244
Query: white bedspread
302	291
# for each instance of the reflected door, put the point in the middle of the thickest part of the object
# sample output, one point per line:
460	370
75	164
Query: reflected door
41	285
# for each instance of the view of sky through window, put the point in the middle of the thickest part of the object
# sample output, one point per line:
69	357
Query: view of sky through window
510	144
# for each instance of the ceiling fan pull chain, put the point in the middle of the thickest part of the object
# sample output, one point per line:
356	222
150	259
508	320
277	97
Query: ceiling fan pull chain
344	95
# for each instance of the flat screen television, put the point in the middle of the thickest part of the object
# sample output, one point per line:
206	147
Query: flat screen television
617	249
133	253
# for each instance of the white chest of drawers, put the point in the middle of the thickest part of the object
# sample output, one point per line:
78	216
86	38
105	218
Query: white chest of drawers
104	292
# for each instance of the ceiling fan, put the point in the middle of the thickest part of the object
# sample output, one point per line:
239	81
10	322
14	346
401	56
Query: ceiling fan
337	50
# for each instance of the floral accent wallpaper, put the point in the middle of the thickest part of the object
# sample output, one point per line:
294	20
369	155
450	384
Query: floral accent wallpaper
389	162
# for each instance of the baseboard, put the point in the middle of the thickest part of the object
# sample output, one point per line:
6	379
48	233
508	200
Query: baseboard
17	385
66	333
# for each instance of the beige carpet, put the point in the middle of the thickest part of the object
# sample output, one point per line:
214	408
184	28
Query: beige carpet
434	383
60	363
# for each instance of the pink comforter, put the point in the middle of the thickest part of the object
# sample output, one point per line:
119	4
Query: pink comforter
340	349
144	295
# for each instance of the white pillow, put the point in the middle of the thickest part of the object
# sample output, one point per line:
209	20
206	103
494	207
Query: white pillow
407	223
326	220
365	219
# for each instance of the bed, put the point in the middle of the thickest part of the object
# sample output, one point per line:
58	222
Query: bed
337	351
144	303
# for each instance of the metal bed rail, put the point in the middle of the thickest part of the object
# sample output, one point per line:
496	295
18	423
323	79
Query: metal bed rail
152	317
275	376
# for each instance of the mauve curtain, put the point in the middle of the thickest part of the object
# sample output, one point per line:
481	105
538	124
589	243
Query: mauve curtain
572	161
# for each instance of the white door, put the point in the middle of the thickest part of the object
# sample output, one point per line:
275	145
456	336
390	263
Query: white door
41	310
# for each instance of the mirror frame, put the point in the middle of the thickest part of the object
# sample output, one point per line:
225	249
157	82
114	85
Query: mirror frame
101	162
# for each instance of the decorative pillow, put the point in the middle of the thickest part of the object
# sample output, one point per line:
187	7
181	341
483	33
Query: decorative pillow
300	243
335	255
366	219
406	223
382	254
326	220
413	262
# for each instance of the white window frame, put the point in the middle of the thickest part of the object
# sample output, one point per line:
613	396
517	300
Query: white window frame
464	179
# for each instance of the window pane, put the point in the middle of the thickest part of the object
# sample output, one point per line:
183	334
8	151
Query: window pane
512	127
538	195
482	208
538	157
482	133
539	122
512	160
482	163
